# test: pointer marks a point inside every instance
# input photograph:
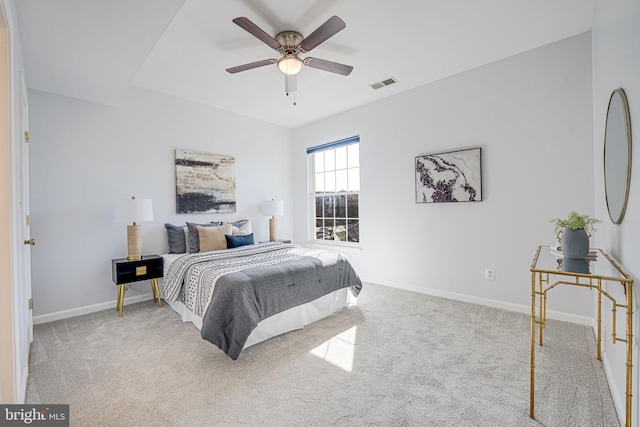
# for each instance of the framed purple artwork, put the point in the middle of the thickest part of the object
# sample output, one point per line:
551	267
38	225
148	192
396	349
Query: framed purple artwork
454	176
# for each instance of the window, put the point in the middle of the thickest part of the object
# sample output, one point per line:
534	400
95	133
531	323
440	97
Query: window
335	186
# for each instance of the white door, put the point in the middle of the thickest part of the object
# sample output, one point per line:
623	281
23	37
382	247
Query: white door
16	328
24	318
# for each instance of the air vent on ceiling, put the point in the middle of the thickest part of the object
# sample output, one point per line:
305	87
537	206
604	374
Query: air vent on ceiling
383	83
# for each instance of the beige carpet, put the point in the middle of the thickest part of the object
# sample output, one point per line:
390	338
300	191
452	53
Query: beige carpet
397	359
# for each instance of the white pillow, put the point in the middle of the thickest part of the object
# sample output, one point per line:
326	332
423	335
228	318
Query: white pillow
243	229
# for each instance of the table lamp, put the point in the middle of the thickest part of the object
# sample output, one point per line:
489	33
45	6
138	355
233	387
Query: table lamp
134	210
273	208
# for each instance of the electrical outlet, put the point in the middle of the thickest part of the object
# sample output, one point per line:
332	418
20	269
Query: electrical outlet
489	274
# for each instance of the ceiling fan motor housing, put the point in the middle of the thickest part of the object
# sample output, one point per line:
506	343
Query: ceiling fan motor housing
289	41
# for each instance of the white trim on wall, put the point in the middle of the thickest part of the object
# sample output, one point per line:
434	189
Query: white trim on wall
518	308
79	311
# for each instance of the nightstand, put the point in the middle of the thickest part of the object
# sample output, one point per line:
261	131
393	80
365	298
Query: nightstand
124	271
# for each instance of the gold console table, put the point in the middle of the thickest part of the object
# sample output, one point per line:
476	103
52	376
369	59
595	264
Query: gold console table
549	270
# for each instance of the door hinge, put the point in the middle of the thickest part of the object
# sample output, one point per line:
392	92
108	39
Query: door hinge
28	220
26	136
30	303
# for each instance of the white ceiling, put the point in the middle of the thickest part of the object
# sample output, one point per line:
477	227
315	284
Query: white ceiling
95	49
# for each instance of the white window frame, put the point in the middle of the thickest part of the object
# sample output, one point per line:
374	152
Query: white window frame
312	193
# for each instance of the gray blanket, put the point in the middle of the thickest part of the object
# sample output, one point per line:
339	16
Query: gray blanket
242	299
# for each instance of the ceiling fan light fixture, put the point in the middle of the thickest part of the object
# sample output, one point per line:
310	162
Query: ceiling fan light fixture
290	65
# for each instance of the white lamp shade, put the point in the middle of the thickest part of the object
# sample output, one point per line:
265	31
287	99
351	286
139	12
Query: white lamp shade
273	208
134	210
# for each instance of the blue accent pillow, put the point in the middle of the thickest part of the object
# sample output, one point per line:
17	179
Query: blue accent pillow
237	241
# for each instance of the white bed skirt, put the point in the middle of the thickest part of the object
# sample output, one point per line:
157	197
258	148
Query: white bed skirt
289	320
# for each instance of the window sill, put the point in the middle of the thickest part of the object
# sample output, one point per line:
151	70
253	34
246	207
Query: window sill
336	244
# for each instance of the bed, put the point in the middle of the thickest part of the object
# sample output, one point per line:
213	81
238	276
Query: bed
241	296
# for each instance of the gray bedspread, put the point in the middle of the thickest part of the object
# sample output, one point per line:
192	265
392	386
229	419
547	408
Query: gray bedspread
242	299
234	289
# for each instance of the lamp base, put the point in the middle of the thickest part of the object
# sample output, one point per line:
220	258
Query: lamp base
273	229
134	242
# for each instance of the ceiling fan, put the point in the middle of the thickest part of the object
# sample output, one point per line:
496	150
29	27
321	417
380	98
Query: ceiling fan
290	44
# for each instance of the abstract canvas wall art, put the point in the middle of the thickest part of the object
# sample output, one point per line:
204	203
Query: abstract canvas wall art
455	176
205	183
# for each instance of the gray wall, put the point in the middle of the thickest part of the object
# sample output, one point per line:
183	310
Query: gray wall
616	64
531	115
86	156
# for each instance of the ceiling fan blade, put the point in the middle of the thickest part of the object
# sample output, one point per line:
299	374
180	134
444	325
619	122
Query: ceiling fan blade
322	33
257	32
251	65
290	83
331	66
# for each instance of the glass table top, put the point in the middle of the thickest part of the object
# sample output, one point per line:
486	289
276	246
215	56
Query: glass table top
597	265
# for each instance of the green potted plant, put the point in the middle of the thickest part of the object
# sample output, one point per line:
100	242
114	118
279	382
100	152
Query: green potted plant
576	230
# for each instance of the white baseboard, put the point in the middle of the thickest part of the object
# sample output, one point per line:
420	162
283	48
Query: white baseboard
618	399
65	314
555	315
618	388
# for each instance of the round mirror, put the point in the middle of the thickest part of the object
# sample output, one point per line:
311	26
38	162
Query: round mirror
617	155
